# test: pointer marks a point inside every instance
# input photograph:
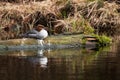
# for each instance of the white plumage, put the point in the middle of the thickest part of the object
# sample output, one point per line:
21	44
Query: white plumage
39	35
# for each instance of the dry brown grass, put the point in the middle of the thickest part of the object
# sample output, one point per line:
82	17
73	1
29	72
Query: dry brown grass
103	16
77	15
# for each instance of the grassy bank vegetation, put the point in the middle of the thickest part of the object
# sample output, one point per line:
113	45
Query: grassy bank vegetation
100	17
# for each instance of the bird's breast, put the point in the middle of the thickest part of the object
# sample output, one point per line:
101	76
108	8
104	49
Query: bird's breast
43	33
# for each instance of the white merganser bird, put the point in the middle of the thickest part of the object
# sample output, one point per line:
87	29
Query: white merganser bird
38	33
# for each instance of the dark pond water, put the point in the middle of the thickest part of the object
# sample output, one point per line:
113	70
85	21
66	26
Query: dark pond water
67	64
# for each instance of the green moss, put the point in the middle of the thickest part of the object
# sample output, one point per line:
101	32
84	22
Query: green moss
103	40
68	39
83	42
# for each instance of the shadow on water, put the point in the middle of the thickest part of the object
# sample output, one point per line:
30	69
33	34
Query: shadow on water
66	64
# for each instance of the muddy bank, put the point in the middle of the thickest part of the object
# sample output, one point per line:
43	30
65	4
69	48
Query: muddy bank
52	42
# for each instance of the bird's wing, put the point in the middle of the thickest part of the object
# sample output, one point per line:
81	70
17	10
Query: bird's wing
32	32
36	36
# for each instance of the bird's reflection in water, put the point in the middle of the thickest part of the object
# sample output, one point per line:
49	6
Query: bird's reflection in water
39	59
22	53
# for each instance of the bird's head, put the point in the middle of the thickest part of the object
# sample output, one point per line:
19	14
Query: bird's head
39	27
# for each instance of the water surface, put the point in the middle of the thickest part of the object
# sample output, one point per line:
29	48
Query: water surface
66	64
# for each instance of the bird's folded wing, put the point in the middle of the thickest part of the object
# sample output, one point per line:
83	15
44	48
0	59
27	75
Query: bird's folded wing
32	32
36	36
